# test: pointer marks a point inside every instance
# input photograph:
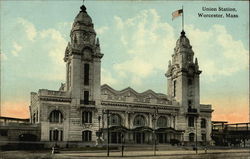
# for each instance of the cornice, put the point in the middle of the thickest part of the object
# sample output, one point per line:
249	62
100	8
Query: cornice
137	105
55	99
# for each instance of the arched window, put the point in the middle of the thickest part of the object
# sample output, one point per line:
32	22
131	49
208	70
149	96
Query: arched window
191	121
56	116
203	123
191	137
115	119
87	136
139	120
162	122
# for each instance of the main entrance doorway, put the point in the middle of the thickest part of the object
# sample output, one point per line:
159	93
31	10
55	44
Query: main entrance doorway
162	138
115	137
139	137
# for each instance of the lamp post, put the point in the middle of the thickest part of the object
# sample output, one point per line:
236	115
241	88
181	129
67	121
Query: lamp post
154	135
99	131
107	112
206	143
122	135
196	144
154	125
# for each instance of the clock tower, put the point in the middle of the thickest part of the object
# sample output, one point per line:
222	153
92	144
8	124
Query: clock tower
83	76
183	76
83	61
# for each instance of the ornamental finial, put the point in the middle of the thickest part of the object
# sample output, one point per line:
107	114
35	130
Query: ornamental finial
182	33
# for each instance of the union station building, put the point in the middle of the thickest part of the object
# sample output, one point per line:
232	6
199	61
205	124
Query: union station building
84	112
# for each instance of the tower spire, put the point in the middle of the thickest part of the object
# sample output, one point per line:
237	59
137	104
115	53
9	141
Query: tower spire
182	19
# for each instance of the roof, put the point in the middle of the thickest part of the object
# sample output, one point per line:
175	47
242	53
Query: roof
12	118
125	92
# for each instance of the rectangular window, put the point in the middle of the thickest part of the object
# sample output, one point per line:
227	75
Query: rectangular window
203	137
191	121
190	82
86	136
86	74
86	117
86	97
61	137
174	88
189	104
55	135
50	135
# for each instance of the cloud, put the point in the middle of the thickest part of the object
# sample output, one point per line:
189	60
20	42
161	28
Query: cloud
46	44
29	28
148	43
219	54
56	51
3	57
101	30
16	48
146	40
107	77
140	67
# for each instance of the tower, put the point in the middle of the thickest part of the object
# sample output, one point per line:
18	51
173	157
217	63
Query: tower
83	75
184	88
183	76
83	61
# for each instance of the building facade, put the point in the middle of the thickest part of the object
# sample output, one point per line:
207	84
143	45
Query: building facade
83	111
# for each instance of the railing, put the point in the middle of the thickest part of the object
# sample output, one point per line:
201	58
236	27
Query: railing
238	127
86	102
206	106
192	110
136	100
45	92
16	125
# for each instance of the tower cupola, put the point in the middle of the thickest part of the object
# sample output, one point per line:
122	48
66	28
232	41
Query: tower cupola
82	31
183	42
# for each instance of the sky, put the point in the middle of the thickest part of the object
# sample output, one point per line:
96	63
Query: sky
137	39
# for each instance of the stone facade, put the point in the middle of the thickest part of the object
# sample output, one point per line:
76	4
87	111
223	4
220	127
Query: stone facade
82	110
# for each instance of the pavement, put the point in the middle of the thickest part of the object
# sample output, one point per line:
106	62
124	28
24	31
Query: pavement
179	154
136	154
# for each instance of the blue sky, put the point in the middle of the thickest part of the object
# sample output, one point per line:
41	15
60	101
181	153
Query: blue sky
139	34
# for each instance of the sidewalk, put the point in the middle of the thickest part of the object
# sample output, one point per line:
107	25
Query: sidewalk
235	153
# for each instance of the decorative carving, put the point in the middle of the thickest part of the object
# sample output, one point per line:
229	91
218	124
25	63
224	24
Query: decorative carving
87	125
